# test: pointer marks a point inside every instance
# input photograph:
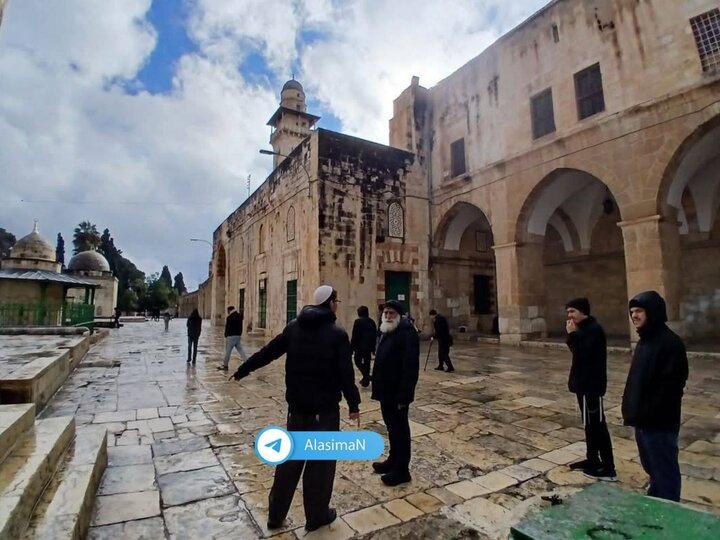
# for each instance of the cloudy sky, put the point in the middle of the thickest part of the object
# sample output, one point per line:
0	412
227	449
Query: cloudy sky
146	116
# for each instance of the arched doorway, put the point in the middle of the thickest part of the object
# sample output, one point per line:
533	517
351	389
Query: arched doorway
569	222
463	270
219	285
690	194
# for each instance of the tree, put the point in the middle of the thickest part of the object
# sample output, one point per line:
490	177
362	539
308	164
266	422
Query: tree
166	277
7	240
60	250
86	237
179	285
128	300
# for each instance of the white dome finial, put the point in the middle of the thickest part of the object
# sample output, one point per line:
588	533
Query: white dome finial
35	226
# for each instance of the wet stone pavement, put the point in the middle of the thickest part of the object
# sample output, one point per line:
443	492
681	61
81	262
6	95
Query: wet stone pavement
488	440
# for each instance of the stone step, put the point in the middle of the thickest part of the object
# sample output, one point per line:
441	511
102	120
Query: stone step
65	508
28	469
14	421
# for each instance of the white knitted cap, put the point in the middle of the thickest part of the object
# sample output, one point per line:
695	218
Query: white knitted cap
321	294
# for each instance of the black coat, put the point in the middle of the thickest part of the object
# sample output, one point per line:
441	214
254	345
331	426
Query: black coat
233	324
397	365
659	370
588	373
442	330
194	326
318	367
364	335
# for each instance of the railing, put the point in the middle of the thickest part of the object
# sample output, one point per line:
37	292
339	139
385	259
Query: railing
68	314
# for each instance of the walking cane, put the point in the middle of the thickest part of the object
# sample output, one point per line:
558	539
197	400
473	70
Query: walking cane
428	355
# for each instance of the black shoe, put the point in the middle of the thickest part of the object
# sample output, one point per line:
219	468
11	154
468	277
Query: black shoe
222	368
395	478
450	369
381	467
271	525
364	383
584	464
193	362
439	368
602	473
332	514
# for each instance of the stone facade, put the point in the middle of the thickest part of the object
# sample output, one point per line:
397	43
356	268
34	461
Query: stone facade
539	171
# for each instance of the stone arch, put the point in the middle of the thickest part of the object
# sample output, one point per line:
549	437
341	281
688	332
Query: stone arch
463	269
568	227
219	283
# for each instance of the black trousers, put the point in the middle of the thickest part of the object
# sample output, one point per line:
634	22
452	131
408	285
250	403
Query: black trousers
318	476
444	354
398	426
192	347
362	361
597	436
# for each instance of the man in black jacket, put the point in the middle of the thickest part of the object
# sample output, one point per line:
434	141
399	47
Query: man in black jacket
444	340
233	331
395	374
588	381
363	340
653	394
318	372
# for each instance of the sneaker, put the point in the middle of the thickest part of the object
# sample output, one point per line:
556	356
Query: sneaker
381	467
364	383
222	368
395	478
332	514
271	525
584	464
439	368
450	369
602	473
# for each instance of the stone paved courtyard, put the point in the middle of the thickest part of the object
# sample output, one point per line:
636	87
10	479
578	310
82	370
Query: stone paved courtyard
487	440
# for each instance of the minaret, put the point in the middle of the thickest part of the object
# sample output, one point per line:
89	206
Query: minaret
290	123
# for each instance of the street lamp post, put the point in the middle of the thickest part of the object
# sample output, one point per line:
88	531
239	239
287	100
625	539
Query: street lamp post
201	240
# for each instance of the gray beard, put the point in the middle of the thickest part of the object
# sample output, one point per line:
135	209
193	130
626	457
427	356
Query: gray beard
389	326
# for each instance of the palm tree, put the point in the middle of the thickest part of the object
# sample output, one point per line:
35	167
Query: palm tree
86	237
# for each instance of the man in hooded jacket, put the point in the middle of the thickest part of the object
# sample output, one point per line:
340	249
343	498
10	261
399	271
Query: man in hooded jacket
363	340
395	374
588	381
653	394
318	372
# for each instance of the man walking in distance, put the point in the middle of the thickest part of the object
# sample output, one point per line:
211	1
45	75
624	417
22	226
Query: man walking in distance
395	374
364	338
653	394
194	328
318	372
588	381
444	340
233	331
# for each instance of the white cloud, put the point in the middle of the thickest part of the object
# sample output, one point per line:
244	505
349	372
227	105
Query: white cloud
159	169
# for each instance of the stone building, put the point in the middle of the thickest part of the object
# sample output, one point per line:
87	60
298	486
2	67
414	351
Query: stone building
578	155
94	267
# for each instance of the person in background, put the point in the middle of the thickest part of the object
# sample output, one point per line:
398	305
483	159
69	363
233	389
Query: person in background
233	332
194	327
363	341
444	340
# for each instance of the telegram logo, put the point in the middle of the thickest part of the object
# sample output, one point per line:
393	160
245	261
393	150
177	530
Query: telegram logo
273	445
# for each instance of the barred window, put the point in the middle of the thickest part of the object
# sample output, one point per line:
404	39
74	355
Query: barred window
706	29
290	226
543	115
589	91
396	225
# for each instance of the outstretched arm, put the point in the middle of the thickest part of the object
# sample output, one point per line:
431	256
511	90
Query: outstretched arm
272	351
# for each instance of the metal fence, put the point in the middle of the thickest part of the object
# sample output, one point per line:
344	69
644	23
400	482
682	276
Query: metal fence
68	314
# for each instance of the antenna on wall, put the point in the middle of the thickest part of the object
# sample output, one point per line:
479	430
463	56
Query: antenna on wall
248	184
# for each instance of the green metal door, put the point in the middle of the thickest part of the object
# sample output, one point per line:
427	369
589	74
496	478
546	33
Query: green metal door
291	296
262	303
397	287
241	300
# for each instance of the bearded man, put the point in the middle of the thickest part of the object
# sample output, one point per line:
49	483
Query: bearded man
395	375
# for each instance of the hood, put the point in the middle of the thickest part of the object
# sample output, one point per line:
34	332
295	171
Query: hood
654	306
314	316
363	311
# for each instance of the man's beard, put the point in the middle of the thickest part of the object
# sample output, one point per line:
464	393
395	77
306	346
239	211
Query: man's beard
387	326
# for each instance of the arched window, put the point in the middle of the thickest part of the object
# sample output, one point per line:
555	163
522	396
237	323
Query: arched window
290	224
261	239
396	224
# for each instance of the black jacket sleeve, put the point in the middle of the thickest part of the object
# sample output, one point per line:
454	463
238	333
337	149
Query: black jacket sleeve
410	366
355	335
346	373
272	351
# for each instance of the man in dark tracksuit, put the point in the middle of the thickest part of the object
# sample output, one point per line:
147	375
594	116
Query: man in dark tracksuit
653	394
444	340
318	372
588	380
395	374
363	340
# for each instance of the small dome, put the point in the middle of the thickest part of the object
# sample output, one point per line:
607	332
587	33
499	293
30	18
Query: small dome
292	84
88	261
33	246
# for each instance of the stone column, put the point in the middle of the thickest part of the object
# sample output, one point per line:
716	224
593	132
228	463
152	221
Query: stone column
652	262
521	291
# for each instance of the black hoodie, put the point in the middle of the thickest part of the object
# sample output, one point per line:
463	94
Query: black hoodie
588	374
318	366
364	333
659	370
